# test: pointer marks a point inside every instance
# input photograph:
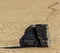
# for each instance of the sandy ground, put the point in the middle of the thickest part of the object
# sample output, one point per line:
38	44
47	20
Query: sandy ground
17	15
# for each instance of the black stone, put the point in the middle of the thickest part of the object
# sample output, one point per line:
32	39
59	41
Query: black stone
35	36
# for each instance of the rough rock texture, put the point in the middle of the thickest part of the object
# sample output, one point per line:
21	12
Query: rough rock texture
36	36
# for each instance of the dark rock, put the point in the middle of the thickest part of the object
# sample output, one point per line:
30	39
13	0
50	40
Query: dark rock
36	36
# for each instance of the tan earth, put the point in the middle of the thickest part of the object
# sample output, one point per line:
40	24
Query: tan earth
17	15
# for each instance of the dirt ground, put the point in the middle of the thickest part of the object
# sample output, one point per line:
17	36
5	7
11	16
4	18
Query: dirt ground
17	15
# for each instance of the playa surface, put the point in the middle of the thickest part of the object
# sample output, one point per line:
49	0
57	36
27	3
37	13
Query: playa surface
17	15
